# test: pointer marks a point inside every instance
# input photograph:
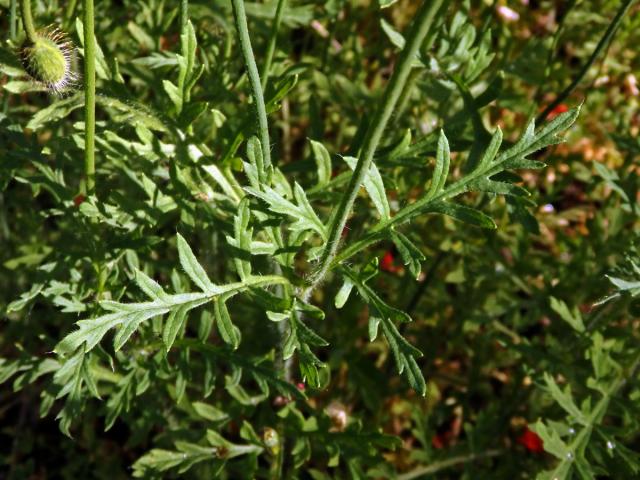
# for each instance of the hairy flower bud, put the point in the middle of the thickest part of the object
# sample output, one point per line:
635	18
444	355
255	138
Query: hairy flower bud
48	59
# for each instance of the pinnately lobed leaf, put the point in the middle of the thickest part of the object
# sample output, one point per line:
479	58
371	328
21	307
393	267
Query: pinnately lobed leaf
129	316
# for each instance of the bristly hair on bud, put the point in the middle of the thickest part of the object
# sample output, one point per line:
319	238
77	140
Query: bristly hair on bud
48	59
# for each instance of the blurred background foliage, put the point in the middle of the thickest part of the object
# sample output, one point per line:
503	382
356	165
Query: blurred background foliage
506	318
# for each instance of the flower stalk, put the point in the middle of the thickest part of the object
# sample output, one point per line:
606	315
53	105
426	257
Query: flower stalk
89	96
27	21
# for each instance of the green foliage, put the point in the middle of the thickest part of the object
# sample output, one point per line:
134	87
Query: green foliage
334	306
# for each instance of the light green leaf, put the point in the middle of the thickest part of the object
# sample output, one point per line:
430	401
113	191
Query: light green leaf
228	331
565	400
410	253
323	162
174	324
149	286
222	181
499	188
374	186
386	3
403	352
573	318
303	214
441	170
462	213
174	93
397	39
343	294
159	460
209	412
91	332
491	151
56	111
192	267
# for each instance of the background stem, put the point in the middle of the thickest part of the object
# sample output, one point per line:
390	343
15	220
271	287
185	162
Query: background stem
69	13
12	19
254	79
89	97
604	41
448	463
421	25
273	37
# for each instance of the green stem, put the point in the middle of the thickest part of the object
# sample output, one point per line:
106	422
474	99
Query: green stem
184	14
406	93
422	286
254	79
89	97
12	19
421	26
240	18
448	463
552	50
27	21
604	41
69	12
273	37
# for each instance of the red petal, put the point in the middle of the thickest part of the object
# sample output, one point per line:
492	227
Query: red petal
386	263
77	201
531	441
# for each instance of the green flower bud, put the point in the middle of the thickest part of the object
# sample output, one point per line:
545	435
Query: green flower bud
48	60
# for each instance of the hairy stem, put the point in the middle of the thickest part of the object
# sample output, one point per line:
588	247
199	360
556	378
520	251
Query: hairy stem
27	21
604	41
184	14
273	37
89	97
254	79
421	26
240	18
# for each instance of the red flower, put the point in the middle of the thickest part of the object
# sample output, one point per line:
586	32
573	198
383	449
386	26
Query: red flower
437	442
558	110
386	263
531	441
77	201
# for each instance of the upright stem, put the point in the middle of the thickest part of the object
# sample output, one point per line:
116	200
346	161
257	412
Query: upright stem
89	97
69	12
273	37
254	78
184	14
604	41
263	134
27	21
12	19
421	25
